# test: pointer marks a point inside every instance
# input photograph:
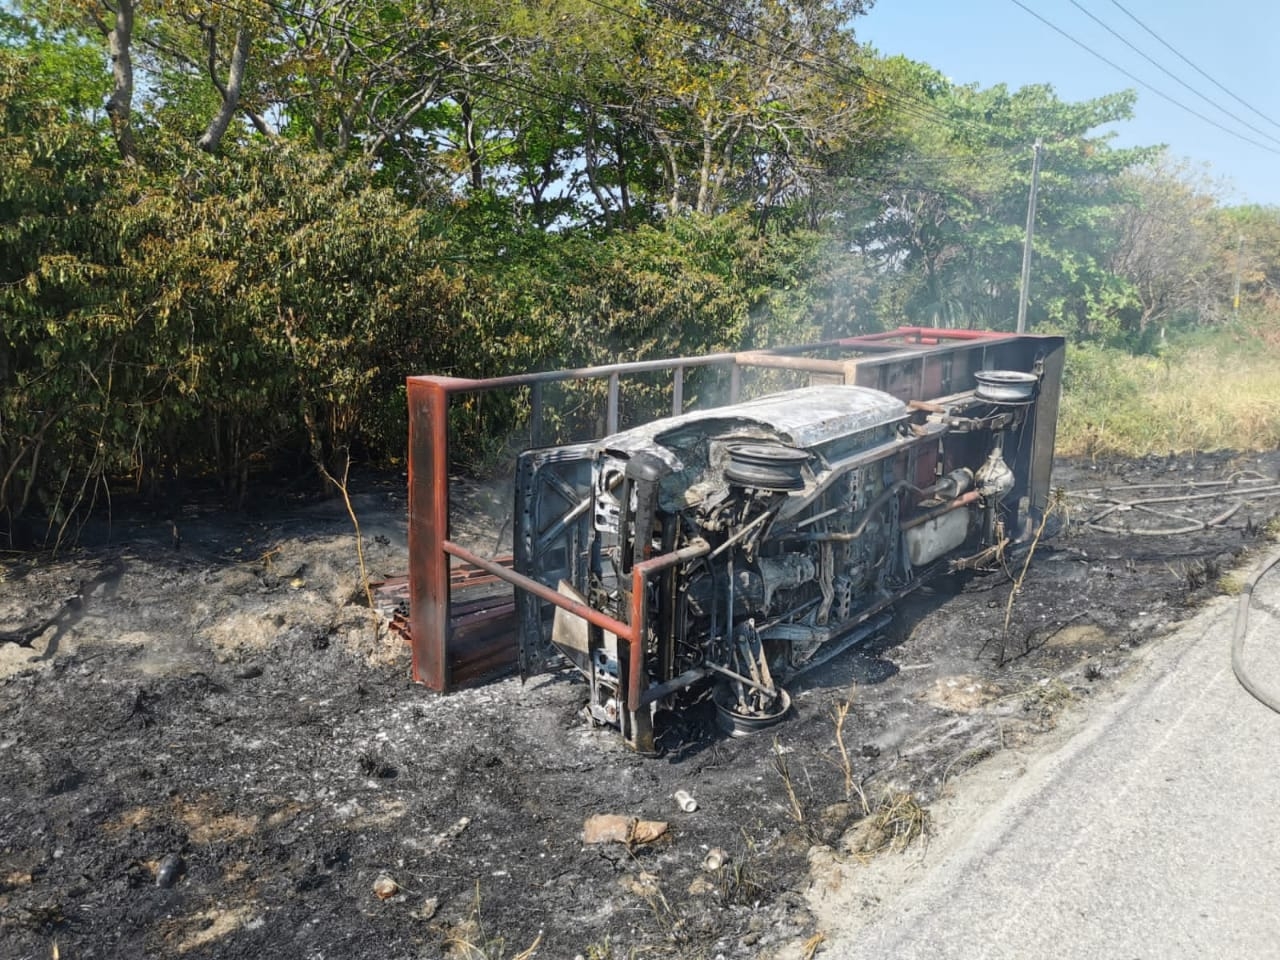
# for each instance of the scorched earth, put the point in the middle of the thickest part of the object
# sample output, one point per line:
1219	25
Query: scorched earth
209	745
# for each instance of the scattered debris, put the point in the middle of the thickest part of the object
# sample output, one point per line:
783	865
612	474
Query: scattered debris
715	859
16	878
462	940
644	885
684	800
616	828
385	887
169	870
206	927
444	836
962	693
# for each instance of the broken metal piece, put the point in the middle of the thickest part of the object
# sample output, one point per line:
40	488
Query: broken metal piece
616	828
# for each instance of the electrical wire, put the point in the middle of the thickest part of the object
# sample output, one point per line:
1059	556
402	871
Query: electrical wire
1159	39
1169	73
1138	80
1229	487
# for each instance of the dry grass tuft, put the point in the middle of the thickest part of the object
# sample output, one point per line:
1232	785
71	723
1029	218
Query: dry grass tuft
1230	585
1048	696
902	819
742	882
1272	529
468	940
897	822
1058	498
839	714
529	952
780	765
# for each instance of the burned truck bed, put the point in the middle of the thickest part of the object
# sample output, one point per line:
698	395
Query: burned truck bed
721	550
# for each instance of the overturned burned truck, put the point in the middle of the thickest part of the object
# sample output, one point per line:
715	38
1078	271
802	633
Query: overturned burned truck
718	552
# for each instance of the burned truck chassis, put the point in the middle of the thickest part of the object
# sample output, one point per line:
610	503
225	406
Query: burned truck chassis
723	551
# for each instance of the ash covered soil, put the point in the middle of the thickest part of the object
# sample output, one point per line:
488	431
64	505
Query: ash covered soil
210	747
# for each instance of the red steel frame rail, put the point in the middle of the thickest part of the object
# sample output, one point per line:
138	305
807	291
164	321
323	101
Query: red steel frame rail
435	663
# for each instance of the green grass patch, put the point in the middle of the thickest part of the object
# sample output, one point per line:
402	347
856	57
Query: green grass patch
1210	392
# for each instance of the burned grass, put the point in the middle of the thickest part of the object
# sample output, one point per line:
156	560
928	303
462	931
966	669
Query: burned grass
210	754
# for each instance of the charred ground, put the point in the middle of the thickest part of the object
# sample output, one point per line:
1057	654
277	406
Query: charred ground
210	748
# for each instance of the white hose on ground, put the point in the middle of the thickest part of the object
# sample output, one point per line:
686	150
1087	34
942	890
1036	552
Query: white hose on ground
1269	698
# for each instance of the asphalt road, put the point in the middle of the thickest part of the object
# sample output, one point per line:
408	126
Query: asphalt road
1153	832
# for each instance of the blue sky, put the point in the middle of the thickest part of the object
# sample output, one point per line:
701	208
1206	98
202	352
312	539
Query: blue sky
1234	41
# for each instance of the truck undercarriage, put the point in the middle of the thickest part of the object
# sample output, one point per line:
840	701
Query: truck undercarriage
721	551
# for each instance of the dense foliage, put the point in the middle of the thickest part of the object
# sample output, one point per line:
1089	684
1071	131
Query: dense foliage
229	230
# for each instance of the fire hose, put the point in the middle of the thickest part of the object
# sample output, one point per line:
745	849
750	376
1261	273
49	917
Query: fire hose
1269	698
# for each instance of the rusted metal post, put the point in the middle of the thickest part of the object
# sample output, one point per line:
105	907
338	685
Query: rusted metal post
761	358
640	726
541	591
428	531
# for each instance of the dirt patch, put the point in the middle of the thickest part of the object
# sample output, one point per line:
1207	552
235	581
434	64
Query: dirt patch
1086	637
210	750
206	927
962	693
206	824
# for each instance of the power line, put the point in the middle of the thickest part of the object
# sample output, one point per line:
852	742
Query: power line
1138	80
1169	73
1202	73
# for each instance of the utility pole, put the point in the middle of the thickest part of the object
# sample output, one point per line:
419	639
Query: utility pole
1026	246
1235	297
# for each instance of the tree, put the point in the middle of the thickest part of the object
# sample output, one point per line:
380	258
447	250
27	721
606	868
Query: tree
946	202
1166	247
